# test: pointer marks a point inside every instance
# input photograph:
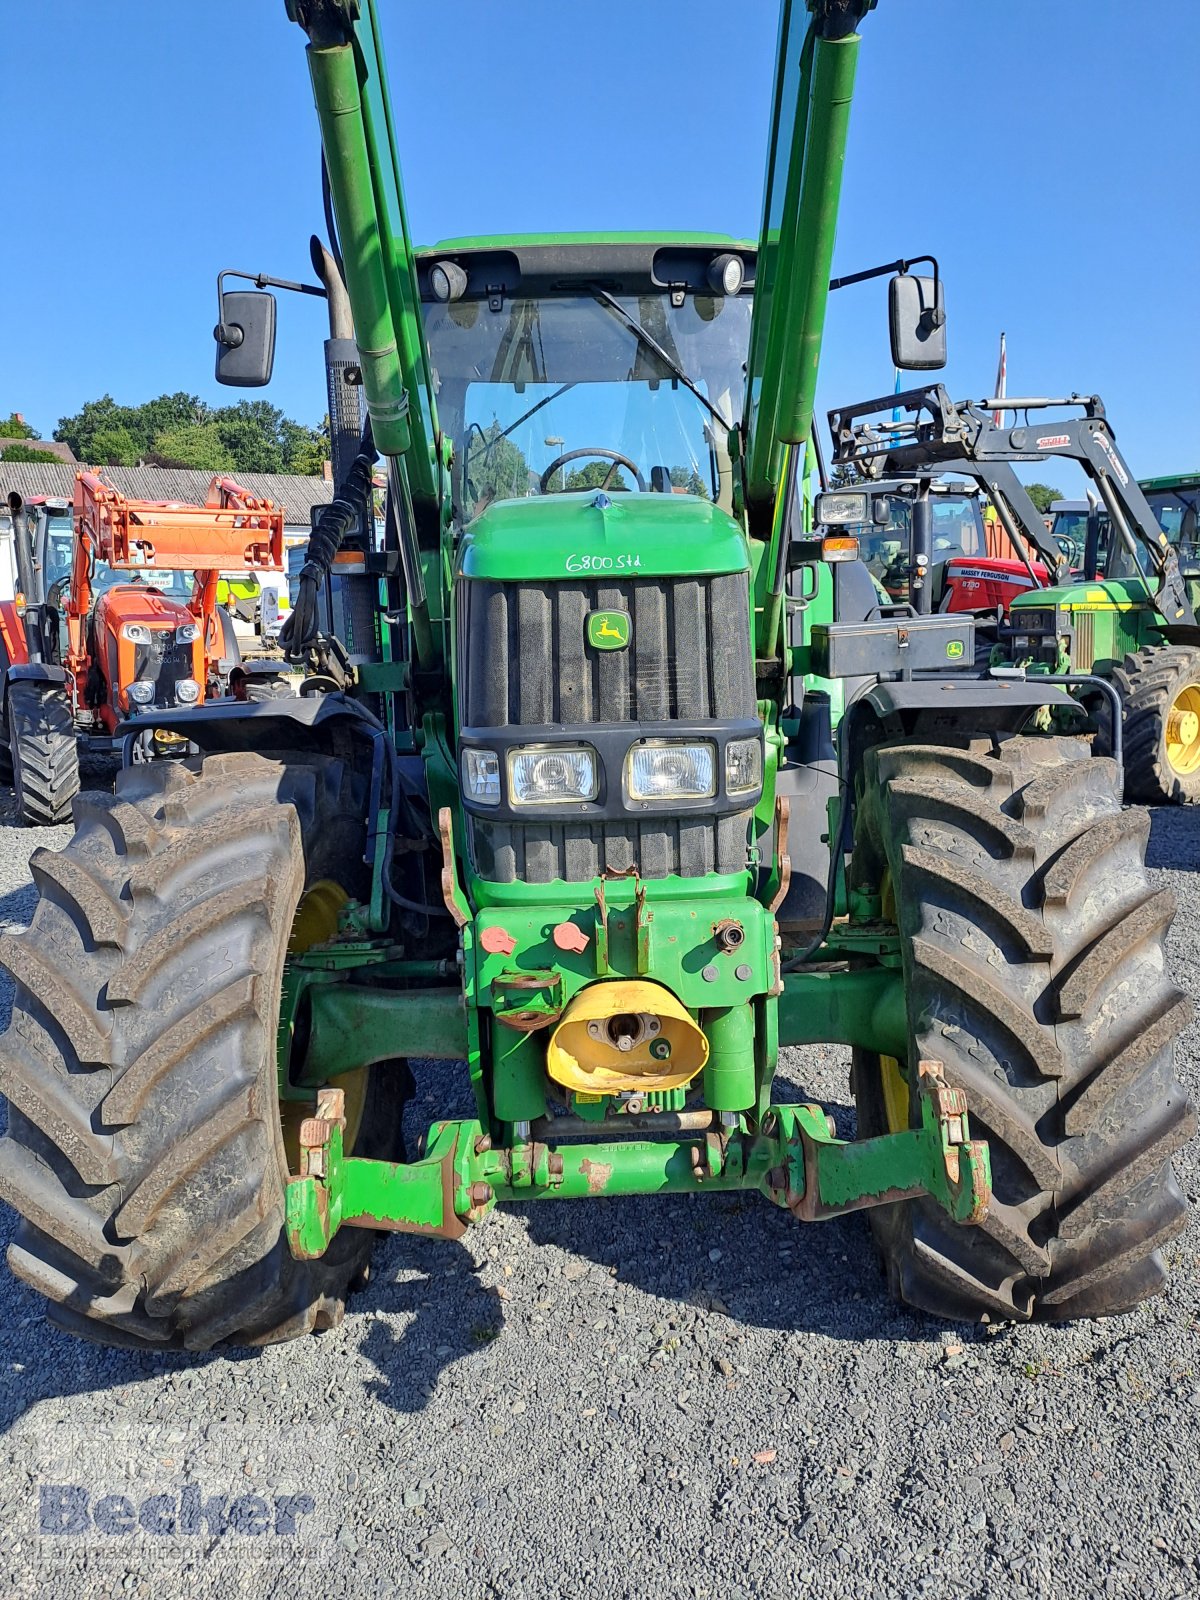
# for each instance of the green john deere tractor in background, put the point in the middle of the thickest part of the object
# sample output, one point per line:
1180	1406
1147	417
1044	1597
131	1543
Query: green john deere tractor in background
611	781
1110	604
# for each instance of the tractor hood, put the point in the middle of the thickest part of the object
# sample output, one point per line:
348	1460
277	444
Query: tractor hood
591	533
1108	594
133	602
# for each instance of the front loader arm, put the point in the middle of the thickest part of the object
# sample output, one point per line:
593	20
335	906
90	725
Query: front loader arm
963	434
345	59
814	81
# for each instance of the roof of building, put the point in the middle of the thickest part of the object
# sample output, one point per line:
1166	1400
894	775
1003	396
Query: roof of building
56	447
297	495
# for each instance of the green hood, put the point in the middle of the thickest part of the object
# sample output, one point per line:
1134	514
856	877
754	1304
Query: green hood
1104	594
592	534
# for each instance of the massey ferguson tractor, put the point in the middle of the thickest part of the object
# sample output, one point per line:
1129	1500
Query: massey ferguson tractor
599	804
117	614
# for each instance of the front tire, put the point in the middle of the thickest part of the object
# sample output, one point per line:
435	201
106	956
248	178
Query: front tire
1159	687
44	750
145	1150
1033	949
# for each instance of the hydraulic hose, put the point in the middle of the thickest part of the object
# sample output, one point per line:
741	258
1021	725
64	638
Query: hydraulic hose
349	509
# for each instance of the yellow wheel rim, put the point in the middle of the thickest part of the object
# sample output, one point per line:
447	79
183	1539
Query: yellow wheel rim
892	1078
895	1093
1183	731
316	922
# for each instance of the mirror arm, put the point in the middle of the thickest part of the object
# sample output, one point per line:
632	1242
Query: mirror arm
936	315
231	337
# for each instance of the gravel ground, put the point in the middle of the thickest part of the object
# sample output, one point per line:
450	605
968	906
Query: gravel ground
660	1398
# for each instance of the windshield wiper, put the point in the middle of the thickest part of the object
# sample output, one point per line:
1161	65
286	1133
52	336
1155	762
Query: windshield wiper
603	297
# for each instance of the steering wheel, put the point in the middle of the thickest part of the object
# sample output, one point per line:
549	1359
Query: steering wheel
614	456
1071	548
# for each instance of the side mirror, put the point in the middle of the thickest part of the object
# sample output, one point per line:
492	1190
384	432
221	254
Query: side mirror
917	323
245	338
269	616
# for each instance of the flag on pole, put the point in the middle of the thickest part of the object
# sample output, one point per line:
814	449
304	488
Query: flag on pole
1001	389
896	390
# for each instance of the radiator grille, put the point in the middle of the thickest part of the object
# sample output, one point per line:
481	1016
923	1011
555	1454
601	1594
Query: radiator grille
527	662
1083	650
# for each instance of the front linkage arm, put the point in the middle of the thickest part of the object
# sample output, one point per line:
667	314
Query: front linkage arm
794	1159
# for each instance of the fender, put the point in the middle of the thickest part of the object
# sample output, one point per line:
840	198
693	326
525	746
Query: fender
263	667
12	633
289	723
31	672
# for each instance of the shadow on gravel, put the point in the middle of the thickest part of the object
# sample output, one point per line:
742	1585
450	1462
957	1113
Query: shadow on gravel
1174	838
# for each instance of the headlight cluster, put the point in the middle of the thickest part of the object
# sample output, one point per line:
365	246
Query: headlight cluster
141	692
551	775
187	632
135	632
662	770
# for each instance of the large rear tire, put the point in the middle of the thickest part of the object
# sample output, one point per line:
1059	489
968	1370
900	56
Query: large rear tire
145	1150
45	753
1160	694
1033	948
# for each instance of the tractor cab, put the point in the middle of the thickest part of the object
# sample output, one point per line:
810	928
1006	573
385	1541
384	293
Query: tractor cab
612	365
1175	502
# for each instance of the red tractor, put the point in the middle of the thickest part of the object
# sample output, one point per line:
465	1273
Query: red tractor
116	616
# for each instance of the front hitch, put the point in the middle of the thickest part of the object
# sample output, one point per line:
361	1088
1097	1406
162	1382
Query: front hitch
794	1159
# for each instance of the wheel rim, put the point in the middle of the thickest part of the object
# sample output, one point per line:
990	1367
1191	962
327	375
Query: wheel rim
893	1081
315	922
1183	730
896	1100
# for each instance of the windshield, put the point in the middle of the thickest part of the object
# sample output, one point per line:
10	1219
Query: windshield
543	395
886	546
1177	511
957	528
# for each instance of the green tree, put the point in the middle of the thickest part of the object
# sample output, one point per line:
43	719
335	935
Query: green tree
496	469
195	444
114	446
25	452
15	427
251	436
89	432
689	480
593	475
305	450
1042	496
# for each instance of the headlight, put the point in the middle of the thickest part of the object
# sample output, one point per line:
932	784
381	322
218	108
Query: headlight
141	692
135	632
187	632
743	766
551	774
187	691
481	776
663	771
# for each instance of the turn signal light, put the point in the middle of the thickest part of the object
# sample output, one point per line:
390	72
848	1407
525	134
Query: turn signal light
839	548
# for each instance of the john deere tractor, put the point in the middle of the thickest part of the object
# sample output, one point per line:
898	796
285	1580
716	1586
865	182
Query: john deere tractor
621	784
1126	637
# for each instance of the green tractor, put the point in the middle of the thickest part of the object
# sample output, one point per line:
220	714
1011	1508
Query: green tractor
1110	606
615	785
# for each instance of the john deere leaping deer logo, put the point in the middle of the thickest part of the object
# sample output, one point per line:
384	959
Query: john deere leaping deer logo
608	630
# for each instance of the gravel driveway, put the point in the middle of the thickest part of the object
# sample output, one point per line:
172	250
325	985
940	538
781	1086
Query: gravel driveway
644	1398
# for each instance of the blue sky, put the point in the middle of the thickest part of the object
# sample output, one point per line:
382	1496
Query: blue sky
1047	154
